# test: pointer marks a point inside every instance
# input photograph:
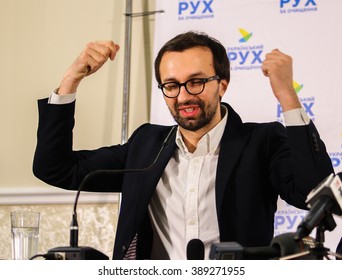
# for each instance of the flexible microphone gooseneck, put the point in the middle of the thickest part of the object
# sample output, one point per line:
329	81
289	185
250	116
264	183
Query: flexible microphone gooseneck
76	252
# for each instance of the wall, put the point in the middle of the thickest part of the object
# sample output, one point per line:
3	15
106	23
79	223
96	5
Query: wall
96	226
40	39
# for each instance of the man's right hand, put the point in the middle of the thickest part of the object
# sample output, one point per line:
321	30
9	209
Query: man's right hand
88	62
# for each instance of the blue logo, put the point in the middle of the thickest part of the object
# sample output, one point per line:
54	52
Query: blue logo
336	159
245	35
246	55
308	105
287	219
297	6
195	9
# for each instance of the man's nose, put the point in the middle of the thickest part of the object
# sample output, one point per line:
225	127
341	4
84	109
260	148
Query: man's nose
183	94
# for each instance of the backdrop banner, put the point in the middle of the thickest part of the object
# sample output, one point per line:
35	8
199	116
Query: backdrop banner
304	29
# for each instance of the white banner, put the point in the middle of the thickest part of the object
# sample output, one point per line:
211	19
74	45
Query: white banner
305	29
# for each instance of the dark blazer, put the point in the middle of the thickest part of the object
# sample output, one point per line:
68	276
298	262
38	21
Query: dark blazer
257	163
339	249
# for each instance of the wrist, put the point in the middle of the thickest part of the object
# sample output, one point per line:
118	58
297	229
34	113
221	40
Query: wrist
289	101
68	86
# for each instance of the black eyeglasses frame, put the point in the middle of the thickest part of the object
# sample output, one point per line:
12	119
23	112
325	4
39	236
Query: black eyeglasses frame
203	80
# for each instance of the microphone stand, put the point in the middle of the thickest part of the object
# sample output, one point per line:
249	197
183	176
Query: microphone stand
317	250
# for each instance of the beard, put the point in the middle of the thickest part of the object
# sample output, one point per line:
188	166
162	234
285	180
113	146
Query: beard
207	113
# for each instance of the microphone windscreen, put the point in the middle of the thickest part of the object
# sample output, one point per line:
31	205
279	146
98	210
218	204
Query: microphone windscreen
195	250
287	245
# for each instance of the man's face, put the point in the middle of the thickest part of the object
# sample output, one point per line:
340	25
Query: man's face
193	112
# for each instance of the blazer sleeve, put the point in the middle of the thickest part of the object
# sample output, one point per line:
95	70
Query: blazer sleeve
56	163
309	161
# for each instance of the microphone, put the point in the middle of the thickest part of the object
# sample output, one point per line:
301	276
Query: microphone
74	252
323	201
195	250
282	246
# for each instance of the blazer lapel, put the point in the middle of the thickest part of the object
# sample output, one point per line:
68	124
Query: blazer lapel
151	179
232	144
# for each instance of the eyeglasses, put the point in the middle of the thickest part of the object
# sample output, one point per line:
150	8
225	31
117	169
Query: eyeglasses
193	86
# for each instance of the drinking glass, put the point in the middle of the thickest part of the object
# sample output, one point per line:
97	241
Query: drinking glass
25	234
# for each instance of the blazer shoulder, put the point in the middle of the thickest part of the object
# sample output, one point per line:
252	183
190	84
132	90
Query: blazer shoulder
150	132
264	127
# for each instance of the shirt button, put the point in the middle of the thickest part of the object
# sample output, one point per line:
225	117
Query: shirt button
191	223
196	161
192	189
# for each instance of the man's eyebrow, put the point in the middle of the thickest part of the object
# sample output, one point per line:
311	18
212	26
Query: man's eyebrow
194	75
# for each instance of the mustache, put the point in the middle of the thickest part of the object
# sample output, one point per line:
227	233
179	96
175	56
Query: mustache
199	103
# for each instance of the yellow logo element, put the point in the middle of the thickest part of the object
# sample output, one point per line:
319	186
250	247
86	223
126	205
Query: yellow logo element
245	35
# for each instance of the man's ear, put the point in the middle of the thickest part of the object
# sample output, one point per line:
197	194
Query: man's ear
223	87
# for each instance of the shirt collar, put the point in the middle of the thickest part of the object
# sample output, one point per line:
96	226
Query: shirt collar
210	142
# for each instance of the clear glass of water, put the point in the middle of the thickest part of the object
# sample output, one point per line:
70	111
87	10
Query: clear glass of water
25	234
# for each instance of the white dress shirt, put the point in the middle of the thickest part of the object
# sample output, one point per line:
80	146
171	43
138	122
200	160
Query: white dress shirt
183	205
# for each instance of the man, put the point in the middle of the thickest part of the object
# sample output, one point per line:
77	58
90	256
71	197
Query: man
217	180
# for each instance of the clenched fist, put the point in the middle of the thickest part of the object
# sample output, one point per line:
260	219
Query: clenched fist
277	66
88	62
